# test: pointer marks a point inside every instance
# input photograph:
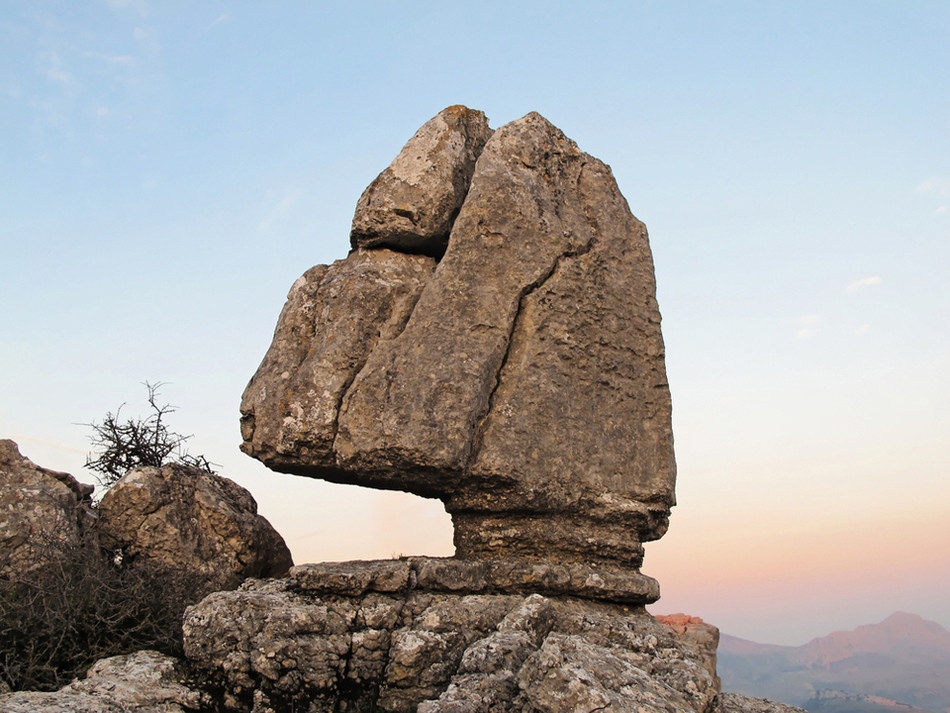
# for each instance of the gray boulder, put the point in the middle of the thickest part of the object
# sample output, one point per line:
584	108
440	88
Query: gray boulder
736	703
388	636
200	529
411	205
43	513
333	319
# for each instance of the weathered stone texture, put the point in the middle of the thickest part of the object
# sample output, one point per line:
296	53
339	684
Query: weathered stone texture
735	703
201	529
342	643
456	576
526	386
333	319
411	205
703	638
43	513
143	682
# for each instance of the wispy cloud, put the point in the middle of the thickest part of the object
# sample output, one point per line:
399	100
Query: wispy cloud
120	59
223	17
282	208
55	69
808	322
863	282
863	329
140	6
940	186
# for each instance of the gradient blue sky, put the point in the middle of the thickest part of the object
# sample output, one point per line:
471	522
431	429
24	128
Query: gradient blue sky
170	168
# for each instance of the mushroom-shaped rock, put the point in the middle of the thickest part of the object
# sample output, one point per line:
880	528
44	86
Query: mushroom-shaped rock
524	382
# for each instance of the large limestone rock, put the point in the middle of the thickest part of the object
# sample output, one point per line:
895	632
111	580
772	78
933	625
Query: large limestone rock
43	513
523	382
201	529
411	205
391	636
703	638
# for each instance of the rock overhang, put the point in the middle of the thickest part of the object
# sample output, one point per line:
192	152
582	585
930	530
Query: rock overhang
518	376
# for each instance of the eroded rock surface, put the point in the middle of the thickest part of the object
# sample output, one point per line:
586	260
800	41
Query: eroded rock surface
377	636
736	703
43	513
523	383
201	529
703	638
143	682
333	319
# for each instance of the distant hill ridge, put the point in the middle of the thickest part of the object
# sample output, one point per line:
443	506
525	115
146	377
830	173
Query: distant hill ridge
901	661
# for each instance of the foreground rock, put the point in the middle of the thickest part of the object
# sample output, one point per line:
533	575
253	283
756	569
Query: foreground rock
200	529
525	386
703	638
143	682
43	513
397	635
735	703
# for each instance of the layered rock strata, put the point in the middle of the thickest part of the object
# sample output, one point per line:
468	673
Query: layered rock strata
405	636
519	378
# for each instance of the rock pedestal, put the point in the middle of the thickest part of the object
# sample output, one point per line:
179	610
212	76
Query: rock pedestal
519	377
433	636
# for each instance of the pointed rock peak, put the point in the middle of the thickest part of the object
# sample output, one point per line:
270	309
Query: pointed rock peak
411	205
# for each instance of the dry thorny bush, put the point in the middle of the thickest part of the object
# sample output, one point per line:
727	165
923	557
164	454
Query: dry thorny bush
58	619
121	445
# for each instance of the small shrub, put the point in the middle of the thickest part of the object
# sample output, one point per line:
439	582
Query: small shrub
120	446
57	620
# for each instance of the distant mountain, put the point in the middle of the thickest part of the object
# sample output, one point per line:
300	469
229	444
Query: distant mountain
901	665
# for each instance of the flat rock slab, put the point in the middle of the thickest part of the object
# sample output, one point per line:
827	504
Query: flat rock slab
520	378
458	576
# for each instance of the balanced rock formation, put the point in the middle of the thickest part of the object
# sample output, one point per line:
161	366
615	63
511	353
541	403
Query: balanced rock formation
519	378
43	513
200	529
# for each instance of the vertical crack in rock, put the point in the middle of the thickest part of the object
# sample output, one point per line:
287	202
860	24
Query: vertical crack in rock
521	379
324	337
397	328
478	433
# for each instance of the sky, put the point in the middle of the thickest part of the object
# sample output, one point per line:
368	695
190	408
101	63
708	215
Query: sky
170	168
